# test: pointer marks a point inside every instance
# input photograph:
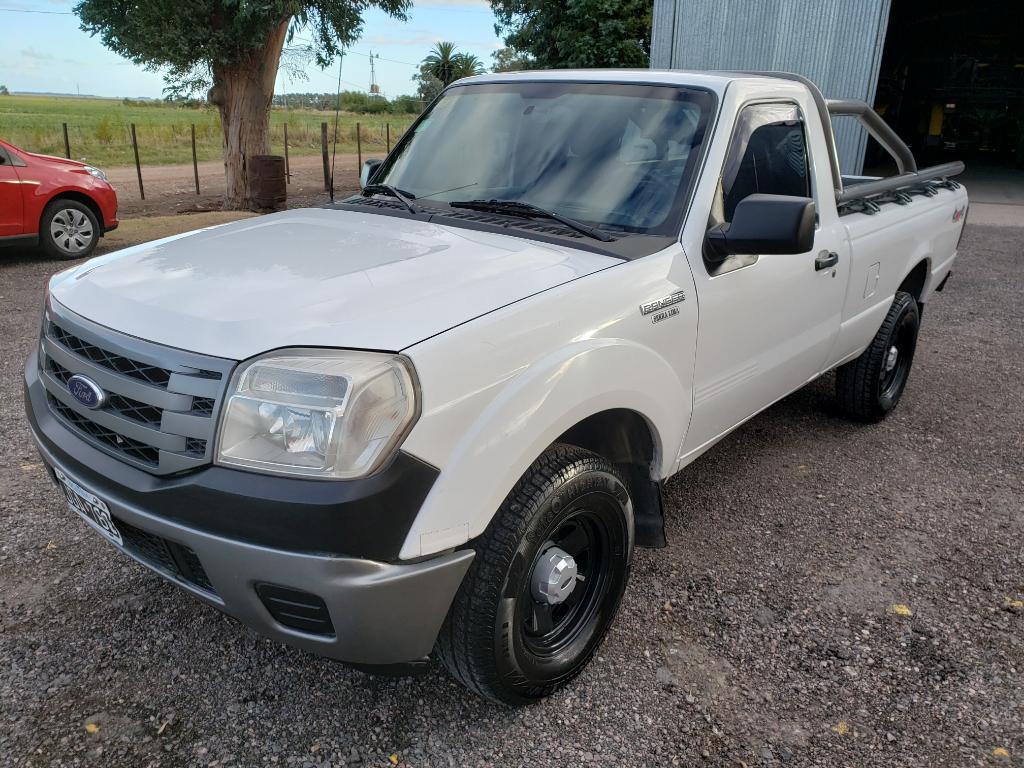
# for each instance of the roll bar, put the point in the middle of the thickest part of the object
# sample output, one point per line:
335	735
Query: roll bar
878	128
908	173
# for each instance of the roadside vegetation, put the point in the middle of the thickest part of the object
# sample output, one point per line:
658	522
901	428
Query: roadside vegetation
99	129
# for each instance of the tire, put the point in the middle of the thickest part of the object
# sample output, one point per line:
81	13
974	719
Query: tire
499	640
68	229
870	386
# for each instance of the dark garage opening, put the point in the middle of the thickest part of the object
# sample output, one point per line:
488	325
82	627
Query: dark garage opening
952	81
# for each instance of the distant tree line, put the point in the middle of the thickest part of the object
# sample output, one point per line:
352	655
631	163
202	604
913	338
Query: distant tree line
351	101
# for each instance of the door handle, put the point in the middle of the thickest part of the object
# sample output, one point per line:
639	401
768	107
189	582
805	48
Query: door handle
826	259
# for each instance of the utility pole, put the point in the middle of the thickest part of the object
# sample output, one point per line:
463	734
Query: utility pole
374	88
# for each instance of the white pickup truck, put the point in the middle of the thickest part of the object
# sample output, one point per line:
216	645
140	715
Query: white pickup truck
438	415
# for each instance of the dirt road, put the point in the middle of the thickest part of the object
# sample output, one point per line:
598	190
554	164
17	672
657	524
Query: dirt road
171	188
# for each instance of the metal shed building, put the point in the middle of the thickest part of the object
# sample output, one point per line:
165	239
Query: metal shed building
946	75
836	43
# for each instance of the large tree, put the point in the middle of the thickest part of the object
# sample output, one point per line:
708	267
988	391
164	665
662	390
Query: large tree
509	60
553	34
234	48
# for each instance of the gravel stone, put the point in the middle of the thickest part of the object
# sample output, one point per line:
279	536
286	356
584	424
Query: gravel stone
788	545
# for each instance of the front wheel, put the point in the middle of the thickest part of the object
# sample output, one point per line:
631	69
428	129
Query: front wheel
870	386
68	230
546	582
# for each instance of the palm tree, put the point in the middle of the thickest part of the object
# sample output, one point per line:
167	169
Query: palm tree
447	66
440	63
467	65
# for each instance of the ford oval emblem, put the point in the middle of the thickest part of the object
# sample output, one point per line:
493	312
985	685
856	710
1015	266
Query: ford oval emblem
86	391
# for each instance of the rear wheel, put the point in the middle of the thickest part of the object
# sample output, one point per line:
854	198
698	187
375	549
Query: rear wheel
870	386
546	582
68	230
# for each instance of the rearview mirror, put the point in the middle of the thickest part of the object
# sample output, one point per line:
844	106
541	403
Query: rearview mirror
765	224
369	168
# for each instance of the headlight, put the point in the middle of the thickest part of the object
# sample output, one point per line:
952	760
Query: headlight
320	413
95	172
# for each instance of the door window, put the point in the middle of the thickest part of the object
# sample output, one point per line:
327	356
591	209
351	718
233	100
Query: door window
768	154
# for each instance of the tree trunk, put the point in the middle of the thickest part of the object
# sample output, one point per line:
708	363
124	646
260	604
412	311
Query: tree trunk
243	93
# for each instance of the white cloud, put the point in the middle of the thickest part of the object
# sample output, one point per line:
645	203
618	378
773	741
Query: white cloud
33	55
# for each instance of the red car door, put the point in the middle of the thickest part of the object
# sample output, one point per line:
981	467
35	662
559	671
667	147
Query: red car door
11	213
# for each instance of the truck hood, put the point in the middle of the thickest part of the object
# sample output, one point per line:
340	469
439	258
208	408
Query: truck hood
313	277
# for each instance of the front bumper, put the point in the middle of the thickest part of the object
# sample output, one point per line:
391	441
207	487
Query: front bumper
382	613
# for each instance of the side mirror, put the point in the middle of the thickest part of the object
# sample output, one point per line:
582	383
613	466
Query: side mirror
366	172
765	224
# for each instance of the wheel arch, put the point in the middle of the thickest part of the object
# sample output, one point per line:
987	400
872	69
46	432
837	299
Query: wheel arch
78	197
915	280
627	439
615	397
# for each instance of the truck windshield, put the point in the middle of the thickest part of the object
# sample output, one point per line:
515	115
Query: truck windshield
619	157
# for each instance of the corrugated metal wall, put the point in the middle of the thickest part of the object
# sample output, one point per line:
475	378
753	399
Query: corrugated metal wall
836	43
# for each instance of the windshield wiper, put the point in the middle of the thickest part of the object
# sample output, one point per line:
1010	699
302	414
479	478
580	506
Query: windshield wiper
531	211
387	189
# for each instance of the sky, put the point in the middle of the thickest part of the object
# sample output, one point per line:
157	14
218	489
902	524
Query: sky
42	49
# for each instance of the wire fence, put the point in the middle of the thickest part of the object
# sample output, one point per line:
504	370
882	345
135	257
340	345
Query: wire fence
193	141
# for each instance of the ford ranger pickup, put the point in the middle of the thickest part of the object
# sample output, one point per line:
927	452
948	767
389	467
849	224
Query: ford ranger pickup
434	418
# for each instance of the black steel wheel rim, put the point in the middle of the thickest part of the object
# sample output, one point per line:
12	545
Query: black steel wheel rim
547	630
904	338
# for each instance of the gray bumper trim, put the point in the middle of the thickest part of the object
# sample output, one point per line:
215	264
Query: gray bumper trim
383	614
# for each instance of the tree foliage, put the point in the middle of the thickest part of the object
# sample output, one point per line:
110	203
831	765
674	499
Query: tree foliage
552	34
233	46
511	60
189	37
446	66
427	86
351	101
4	91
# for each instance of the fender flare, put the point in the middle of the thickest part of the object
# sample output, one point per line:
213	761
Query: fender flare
529	413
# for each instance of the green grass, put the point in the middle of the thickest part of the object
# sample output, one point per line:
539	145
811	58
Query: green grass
99	130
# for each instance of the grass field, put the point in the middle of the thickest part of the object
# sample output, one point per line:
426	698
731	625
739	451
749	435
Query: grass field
99	129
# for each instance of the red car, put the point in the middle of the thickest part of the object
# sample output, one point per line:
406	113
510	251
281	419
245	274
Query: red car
63	205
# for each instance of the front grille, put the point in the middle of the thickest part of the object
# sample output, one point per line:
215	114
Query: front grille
161	403
132	449
195	446
177	560
150	374
203	406
135	410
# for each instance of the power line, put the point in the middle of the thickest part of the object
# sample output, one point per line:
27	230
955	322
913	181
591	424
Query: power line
31	10
364	55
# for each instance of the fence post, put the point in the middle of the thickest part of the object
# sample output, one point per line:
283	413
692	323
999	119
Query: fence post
138	166
287	168
323	147
387	129
195	161
67	144
359	151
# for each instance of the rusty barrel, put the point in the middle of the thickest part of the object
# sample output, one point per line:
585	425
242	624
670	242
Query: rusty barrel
267	183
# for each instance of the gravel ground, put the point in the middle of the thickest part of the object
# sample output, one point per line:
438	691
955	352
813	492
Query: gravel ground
832	595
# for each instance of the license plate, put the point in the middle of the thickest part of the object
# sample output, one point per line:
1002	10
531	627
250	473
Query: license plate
90	506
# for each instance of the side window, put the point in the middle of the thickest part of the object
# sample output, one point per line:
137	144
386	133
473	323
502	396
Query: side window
768	154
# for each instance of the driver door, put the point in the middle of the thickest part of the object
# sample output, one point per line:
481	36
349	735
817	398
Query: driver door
11	213
766	322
